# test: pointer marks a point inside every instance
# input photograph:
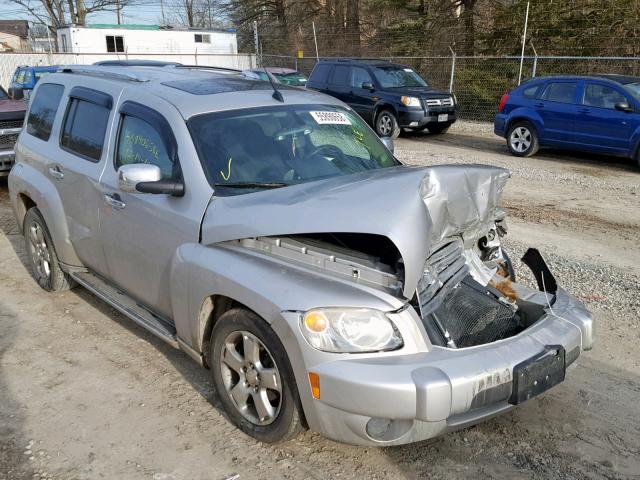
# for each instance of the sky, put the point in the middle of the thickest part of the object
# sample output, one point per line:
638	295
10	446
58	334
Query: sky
140	11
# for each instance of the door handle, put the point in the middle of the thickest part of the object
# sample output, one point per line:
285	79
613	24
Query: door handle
539	105
584	110
114	201
55	172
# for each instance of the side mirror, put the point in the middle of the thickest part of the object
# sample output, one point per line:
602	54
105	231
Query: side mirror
145	178
367	86
623	107
388	142
16	93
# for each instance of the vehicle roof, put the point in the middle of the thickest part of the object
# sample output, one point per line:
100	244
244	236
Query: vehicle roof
372	62
41	68
613	77
192	90
279	70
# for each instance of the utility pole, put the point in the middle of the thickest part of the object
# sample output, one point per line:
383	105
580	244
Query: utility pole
164	22
315	40
256	42
524	39
118	12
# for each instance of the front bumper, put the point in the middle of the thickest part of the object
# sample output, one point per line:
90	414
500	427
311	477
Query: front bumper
416	118
398	399
7	159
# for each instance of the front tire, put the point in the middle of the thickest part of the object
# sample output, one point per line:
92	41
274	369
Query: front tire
522	139
253	377
387	124
45	266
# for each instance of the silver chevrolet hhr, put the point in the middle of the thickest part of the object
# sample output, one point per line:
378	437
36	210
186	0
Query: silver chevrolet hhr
270	234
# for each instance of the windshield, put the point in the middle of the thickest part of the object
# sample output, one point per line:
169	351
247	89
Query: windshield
396	77
293	78
243	151
634	88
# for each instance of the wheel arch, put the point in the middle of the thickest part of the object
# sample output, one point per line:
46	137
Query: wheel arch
525	115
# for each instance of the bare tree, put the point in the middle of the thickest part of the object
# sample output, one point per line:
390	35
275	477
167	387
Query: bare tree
55	13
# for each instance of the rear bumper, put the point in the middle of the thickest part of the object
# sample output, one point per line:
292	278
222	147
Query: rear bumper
397	399
500	125
7	159
416	118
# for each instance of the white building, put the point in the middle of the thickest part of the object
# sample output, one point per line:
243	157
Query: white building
139	39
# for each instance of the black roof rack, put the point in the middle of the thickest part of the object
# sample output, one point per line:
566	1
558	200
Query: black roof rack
356	60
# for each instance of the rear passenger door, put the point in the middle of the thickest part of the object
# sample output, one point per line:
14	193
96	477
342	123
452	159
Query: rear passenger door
558	106
340	83
599	125
76	167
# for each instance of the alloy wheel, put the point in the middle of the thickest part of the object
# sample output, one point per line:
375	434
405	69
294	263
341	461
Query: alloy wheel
39	251
385	125
520	139
251	377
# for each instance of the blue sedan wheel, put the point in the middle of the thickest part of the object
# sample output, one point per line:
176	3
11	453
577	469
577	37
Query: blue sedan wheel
522	139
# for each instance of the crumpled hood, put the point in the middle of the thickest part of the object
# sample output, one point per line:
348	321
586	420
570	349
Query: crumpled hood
414	207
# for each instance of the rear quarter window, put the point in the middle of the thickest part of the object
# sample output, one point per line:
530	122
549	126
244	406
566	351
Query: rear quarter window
43	110
531	91
320	74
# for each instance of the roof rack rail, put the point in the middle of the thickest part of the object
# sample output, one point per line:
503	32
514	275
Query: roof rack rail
207	67
356	59
100	71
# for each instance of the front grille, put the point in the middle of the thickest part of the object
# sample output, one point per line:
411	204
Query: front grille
439	102
8	141
10	124
470	317
443	270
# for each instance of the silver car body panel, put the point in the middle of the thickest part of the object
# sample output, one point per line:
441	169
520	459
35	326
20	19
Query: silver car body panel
171	255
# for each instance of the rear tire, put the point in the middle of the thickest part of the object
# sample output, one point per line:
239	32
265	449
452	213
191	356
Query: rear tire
43	260
522	139
253	377
637	158
438	128
386	124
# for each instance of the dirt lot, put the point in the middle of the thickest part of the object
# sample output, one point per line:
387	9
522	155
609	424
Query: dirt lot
84	393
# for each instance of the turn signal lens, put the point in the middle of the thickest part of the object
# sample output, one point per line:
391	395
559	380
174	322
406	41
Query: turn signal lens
314	381
315	321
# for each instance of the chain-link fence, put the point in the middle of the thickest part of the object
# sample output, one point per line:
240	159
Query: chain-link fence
10	61
479	82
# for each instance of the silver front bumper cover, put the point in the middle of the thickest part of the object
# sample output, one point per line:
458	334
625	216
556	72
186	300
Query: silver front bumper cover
7	159
423	395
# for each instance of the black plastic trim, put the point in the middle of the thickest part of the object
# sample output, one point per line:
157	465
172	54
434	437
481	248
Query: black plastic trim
93	96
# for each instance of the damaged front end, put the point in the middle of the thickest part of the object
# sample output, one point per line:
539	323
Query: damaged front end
464	340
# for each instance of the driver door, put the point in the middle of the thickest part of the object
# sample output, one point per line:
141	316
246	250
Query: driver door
142	231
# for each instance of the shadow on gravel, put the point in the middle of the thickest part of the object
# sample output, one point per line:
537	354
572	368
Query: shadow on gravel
495	144
14	464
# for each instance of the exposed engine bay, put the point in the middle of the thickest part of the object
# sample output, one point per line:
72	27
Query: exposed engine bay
466	296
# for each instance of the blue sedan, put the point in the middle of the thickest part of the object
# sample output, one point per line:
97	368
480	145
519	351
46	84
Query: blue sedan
599	113
25	78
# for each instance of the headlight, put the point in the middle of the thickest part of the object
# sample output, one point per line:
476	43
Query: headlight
410	101
350	330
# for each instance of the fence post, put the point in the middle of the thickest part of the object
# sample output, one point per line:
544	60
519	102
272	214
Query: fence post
196	55
453	69
256	43
524	39
315	40
535	60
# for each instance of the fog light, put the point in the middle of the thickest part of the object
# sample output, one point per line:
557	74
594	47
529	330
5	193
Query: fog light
314	381
413	124
388	430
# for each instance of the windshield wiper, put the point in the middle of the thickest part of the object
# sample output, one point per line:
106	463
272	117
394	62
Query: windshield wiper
252	184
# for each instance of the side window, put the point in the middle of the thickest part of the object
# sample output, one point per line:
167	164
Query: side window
140	142
563	92
596	95
341	76
115	43
531	92
43	110
320	73
28	76
84	129
360	76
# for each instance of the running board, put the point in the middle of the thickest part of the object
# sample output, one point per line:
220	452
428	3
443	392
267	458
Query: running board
127	306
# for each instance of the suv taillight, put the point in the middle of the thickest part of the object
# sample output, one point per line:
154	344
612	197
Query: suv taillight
503	101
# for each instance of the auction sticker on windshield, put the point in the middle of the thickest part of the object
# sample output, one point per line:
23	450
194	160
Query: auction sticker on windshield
330	118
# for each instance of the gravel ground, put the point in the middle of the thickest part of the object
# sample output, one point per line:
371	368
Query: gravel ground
85	394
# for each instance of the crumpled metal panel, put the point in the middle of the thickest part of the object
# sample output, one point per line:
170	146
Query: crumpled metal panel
414	207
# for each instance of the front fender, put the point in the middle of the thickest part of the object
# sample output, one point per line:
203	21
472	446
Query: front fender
265	285
24	179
